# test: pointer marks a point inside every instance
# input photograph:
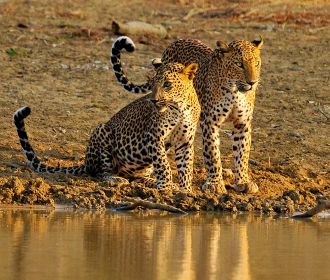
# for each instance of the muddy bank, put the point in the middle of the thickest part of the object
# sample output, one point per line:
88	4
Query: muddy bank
102	195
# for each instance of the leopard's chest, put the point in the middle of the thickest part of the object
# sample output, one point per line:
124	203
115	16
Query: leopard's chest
185	128
242	107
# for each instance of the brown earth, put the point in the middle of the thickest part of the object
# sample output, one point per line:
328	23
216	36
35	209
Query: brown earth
54	57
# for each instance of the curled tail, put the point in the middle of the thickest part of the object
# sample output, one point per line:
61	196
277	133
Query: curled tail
126	43
33	160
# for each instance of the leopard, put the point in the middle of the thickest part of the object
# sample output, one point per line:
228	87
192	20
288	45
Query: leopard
226	84
136	139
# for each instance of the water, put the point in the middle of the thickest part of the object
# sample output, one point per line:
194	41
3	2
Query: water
91	245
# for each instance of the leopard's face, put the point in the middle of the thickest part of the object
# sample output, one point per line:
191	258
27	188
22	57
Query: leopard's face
173	85
243	63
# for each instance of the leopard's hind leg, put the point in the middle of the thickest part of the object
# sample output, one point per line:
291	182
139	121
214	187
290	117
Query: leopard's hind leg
100	161
110	168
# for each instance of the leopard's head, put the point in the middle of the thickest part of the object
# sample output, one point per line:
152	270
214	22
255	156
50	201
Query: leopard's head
241	62
172	85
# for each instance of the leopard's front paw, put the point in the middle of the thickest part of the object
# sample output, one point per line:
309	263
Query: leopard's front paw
187	189
166	186
114	179
146	181
249	187
215	187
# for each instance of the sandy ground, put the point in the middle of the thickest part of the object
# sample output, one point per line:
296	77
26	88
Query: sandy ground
54	57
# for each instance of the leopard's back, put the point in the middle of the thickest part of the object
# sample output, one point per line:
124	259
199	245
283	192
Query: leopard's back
187	51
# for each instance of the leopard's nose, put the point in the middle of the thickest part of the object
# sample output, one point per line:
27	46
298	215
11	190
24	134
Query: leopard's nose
154	101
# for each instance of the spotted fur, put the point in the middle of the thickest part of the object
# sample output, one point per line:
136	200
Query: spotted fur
226	84
135	139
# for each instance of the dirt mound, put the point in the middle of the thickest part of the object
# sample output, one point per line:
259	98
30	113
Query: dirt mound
81	193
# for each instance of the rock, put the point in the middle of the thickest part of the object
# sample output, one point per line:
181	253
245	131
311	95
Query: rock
295	196
22	25
290	208
244	206
64	66
139	28
226	197
296	135
18	187
265	204
254	162
277	209
270	27
275	125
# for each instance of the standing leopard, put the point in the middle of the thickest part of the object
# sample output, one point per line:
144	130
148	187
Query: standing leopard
226	84
135	139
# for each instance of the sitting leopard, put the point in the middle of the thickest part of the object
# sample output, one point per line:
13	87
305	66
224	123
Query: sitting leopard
135	139
226	84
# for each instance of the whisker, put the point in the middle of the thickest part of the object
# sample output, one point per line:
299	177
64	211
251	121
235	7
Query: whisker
169	104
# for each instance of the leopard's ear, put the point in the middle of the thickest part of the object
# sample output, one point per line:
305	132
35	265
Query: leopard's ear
223	47
156	62
190	70
258	42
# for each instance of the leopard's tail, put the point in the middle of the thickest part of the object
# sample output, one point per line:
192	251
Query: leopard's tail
33	160
126	43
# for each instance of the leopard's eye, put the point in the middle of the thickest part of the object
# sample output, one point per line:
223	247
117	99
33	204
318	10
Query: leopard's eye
167	85
239	64
257	63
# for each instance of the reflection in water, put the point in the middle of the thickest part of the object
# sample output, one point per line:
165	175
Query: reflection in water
91	245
